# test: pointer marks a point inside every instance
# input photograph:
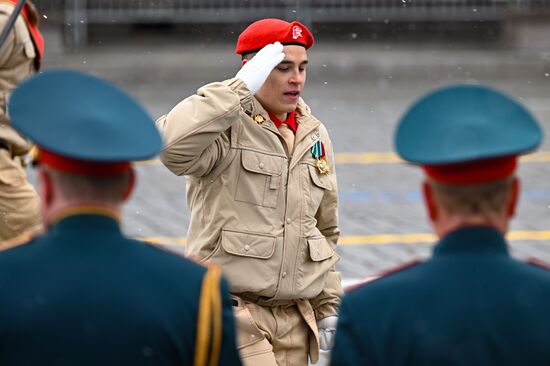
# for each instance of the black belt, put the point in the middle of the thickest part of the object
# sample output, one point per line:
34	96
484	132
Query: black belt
262	300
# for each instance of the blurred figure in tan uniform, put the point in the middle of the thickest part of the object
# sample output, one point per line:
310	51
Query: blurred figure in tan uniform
263	196
20	57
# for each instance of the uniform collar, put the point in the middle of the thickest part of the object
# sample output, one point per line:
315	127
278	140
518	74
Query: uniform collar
304	119
85	219
473	239
290	121
306	123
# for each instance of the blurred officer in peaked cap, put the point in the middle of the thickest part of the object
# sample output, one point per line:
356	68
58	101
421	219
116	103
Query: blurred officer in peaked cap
20	56
82	293
262	193
471	303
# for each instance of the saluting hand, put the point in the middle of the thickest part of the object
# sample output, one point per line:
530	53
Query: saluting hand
256	70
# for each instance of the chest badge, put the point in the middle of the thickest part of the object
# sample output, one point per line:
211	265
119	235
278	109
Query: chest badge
259	119
318	153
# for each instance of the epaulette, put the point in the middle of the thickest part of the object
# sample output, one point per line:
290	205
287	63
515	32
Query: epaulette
385	273
20	239
538	263
209	319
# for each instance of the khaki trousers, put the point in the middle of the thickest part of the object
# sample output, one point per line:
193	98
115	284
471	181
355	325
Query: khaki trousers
282	335
19	203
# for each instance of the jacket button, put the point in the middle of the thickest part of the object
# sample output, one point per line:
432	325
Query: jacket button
284	274
288	221
247	247
261	165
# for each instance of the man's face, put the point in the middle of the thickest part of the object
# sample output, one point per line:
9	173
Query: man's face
282	89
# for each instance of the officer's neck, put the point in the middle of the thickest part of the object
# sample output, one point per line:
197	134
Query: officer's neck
56	211
446	223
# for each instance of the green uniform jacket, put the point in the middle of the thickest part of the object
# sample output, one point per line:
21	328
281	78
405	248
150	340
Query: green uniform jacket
83	294
471	304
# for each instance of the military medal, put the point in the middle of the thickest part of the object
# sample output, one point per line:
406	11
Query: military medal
318	152
322	165
259	119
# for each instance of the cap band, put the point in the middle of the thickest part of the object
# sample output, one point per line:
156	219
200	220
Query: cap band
82	167
473	172
283	43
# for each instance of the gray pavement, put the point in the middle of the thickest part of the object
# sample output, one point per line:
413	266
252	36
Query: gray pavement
358	89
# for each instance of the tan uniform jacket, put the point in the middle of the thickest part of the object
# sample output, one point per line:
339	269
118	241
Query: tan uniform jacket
16	63
271	222
19	205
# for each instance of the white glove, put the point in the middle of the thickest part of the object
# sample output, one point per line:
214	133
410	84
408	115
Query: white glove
327	329
257	69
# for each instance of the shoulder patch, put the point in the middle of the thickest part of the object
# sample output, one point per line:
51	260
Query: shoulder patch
20	239
538	263
385	273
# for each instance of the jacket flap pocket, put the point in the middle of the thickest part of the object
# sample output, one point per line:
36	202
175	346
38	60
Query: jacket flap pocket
320	180
319	249
262	163
247	244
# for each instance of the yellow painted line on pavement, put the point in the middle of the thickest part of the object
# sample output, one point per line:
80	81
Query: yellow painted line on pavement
392	158
528	235
147	162
166	240
369	158
379	239
382	239
537	157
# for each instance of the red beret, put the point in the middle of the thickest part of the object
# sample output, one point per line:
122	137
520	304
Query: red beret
473	172
266	31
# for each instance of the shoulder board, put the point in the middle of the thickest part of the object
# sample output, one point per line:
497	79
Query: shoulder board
382	274
20	239
538	263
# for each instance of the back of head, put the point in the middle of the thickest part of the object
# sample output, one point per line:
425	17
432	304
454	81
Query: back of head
467	139
87	131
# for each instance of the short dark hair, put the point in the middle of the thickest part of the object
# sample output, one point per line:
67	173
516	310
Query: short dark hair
75	187
248	56
473	199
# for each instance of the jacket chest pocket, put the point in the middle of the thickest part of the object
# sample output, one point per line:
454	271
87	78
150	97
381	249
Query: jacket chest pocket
260	179
317	185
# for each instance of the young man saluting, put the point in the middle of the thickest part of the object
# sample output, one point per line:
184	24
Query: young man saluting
262	194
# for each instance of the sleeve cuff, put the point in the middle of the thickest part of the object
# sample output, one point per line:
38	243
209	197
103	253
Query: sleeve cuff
239	87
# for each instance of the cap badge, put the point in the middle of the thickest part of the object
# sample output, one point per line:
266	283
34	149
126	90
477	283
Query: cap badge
318	152
296	32
259	119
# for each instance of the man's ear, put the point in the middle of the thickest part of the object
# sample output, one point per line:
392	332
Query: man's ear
513	198
131	184
429	200
45	186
